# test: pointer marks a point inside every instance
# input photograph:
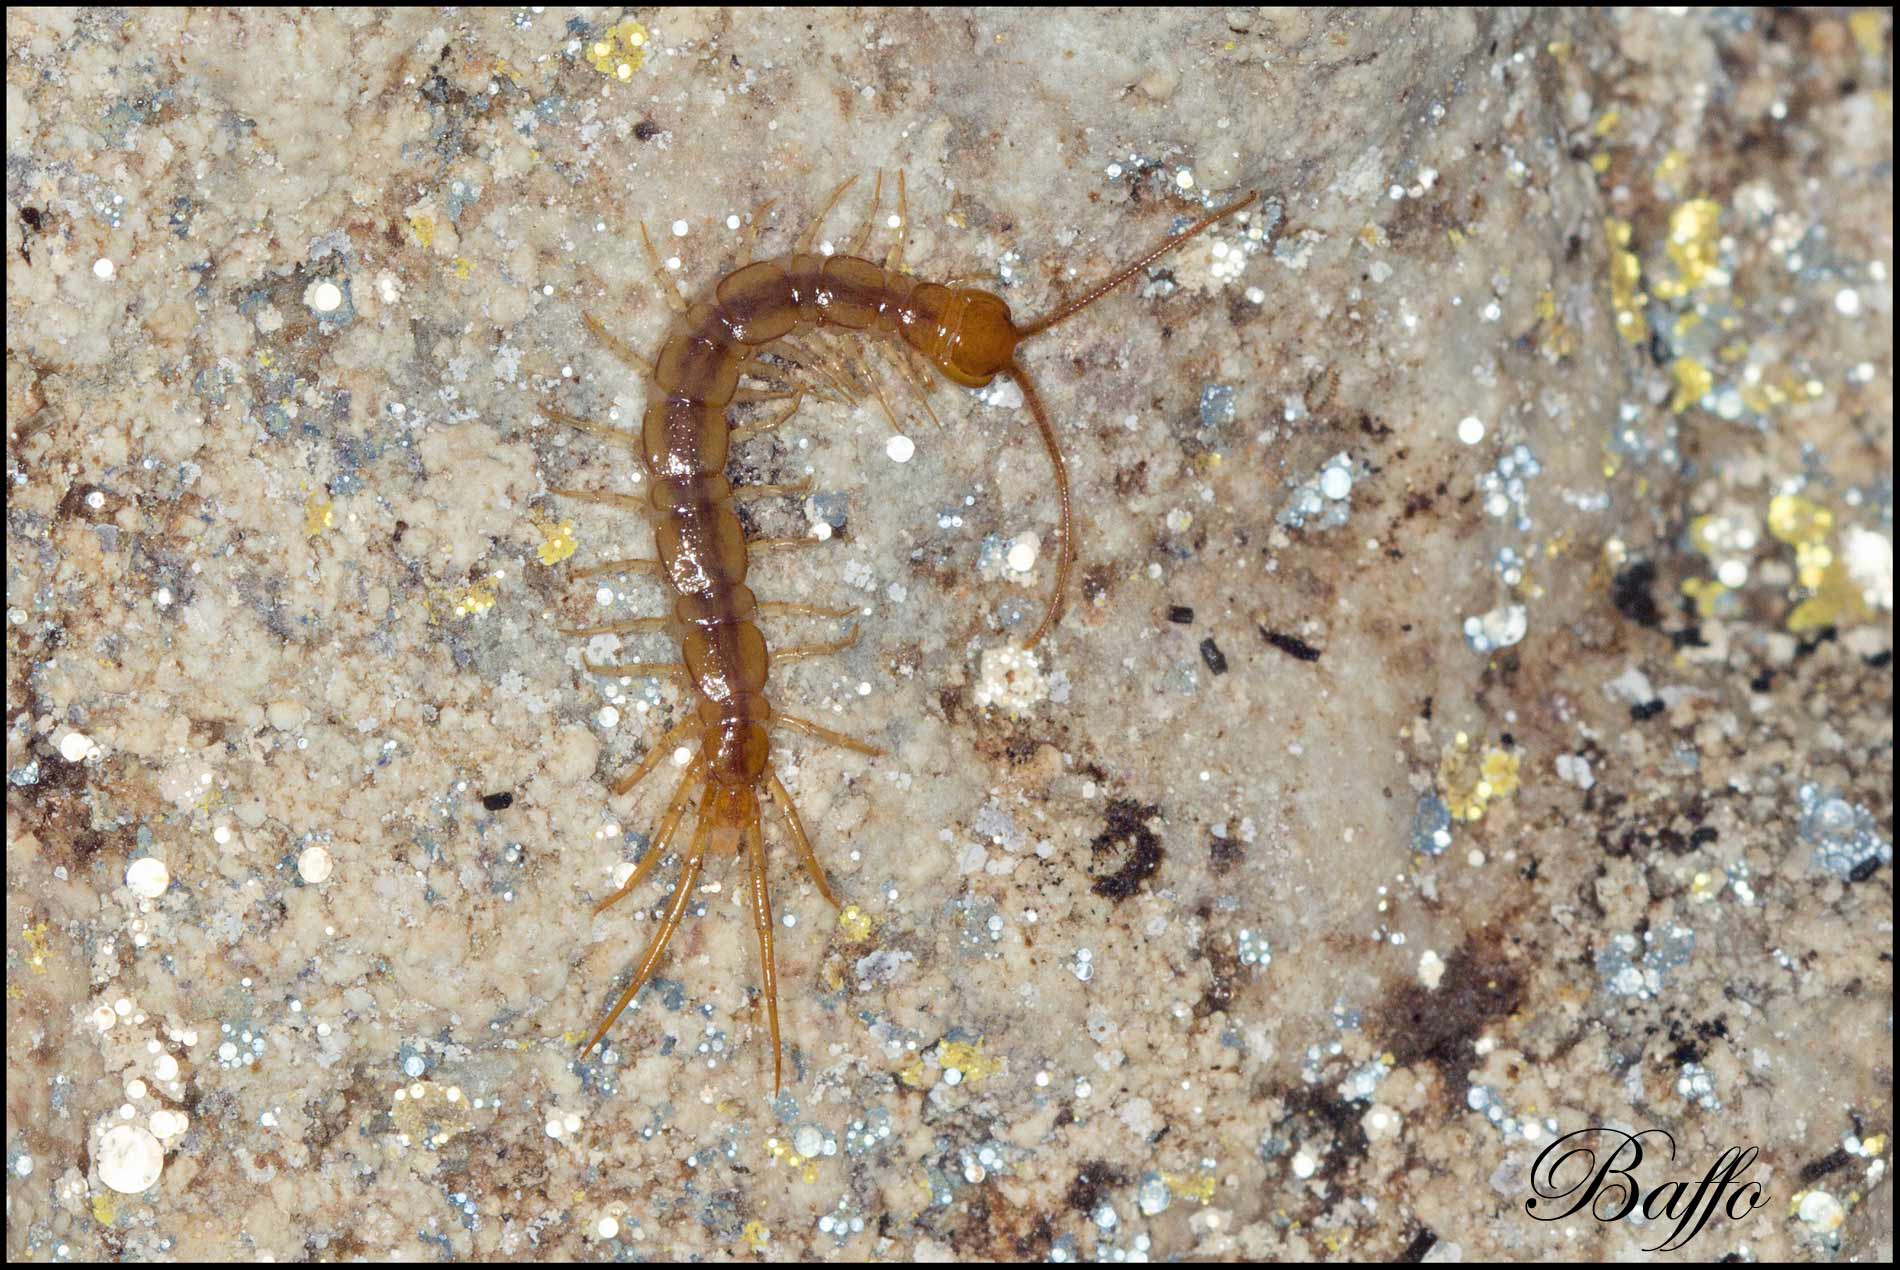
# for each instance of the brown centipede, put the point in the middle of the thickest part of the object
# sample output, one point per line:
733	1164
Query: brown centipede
965	334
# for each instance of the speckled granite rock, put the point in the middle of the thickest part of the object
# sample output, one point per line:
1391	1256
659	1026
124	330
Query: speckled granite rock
1472	723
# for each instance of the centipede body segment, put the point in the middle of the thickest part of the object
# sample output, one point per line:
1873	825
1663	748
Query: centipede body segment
964	334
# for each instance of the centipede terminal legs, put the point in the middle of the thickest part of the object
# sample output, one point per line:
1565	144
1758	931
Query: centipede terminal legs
675	910
789	811
661	748
762	922
662	837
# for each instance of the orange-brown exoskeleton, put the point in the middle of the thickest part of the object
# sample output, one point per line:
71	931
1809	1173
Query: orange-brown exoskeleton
966	335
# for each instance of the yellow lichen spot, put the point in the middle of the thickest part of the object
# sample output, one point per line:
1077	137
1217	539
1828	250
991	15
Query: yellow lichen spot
266	359
963	1057
510	73
1500	772
1200	1189
103	1210
1606	122
462	267
1546	305
1626	277
1671	166
783	1153
1694	237
473	600
1693	382
915	1075
620	51
1865	28
1685	323
1456	235
1372	237
856	924
1797	521
1836	602
422	225
1467	785
318	515
1706	886
755	1235
1559	49
557	542
428	1117
1600	162
36	948
1711	598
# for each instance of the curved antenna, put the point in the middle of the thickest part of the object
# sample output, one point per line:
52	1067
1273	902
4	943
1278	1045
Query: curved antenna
1065	521
1149	257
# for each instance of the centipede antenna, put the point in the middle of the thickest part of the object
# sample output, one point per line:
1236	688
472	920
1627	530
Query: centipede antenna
1096	292
1065	521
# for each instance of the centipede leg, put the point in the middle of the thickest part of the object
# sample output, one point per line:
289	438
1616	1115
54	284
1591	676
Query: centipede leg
796	827
800	653
638	669
901	359
772	491
865	373
618	566
601	430
662	838
629	626
809	238
606	498
746	432
778	608
749	237
745	396
762	922
661	749
615	345
870	218
894	262
819	365
669	289
805	727
682	896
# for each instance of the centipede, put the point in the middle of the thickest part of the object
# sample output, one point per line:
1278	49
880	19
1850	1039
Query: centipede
694	387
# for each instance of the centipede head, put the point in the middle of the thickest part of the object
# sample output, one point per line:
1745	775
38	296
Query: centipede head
965	333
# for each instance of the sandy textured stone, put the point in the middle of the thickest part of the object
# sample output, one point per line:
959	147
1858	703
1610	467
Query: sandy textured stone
1137	955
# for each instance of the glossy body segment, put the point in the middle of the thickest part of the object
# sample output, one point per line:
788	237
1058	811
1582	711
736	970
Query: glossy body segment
967	336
